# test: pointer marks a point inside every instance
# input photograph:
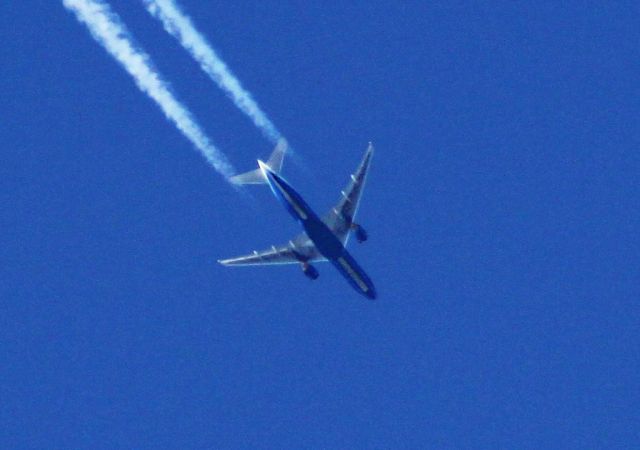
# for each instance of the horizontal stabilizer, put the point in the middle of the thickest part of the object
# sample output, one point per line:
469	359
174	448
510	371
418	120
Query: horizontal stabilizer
277	156
252	177
274	162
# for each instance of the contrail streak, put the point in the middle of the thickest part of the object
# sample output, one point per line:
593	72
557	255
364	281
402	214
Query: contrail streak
180	26
109	31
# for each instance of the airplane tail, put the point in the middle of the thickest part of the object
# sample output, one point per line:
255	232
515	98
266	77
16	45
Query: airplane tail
274	162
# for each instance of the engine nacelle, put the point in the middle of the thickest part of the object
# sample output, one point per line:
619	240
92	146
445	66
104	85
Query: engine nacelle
361	234
310	271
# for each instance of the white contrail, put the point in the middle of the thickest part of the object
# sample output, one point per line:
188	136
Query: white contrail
180	26
109	31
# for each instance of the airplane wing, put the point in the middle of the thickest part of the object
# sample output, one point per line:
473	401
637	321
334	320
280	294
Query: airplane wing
340	218
298	250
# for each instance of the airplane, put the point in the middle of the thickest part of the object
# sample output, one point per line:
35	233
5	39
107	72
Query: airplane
323	239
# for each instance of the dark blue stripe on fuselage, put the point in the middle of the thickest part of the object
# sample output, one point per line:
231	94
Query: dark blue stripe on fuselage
354	274
323	238
326	242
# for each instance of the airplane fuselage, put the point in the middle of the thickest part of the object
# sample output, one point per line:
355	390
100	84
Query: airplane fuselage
323	238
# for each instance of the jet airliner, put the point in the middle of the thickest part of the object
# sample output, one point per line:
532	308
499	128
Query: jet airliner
323	239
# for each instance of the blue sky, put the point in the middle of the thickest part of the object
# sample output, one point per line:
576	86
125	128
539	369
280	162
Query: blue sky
502	208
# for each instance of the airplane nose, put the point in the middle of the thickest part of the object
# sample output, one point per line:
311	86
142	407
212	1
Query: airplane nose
371	293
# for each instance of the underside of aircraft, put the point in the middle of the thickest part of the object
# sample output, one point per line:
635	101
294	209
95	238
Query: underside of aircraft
323	239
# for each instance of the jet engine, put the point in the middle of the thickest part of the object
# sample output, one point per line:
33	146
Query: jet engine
361	234
310	271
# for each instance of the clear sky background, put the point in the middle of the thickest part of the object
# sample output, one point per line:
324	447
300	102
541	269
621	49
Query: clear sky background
502	208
